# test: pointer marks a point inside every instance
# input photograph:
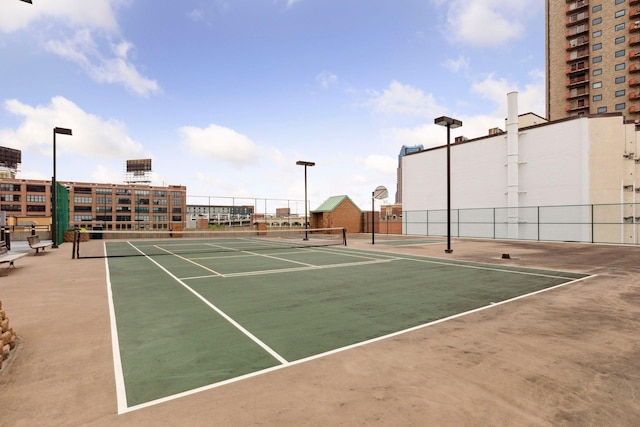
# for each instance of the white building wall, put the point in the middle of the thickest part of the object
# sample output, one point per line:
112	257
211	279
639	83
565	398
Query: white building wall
567	164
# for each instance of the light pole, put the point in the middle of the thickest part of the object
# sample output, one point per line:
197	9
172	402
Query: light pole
54	190
449	123
306	222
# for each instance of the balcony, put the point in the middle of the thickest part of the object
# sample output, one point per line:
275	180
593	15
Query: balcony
575	68
577	18
577	93
634	96
632	2
634	109
577	106
634	54
634	41
578	54
634	13
577	29
577	5
579	80
634	82
577	42
635	26
634	68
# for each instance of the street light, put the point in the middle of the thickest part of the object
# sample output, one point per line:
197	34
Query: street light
54	184
306	222
450	124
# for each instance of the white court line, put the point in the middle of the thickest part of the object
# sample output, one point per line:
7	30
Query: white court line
181	257
339	350
120	388
462	264
121	391
317	267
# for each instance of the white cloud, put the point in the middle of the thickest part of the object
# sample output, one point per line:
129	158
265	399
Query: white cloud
467	21
221	143
531	98
17	15
457	65
92	136
405	100
104	68
380	164
326	79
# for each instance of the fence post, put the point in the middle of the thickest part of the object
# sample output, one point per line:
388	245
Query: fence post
592	225
538	221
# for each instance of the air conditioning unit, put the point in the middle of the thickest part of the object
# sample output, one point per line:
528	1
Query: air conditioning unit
627	187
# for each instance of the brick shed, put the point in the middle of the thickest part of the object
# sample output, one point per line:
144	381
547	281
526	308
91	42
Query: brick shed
337	211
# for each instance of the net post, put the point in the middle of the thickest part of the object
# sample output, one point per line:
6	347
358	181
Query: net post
344	236
73	247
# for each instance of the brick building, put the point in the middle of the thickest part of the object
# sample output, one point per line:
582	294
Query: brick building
91	205
338	211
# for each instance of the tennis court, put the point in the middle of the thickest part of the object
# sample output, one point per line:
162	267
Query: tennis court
197	314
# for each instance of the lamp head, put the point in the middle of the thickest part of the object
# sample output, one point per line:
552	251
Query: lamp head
448	122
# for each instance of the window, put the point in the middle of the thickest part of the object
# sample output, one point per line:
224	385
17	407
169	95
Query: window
602	109
597	85
597	97
82	190
596	8
620	92
597	46
103	191
81	199
103	200
34	198
620	53
620	27
9	187
36	208
12	198
620	106
597	71
619	13
597	34
620	66
620	79
620	40
10	208
34	188
619	1
596	21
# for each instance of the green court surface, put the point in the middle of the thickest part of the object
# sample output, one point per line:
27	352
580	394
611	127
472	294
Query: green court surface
184	323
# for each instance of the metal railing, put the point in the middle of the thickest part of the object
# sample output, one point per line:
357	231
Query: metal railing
603	223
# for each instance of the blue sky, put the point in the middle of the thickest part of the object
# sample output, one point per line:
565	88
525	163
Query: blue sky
226	95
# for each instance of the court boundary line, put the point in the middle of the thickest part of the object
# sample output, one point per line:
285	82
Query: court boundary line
291	269
346	348
121	390
467	264
118	363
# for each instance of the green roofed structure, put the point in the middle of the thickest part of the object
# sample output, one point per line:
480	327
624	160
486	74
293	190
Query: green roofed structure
338	211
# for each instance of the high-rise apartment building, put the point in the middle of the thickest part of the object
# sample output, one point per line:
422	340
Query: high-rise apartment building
592	57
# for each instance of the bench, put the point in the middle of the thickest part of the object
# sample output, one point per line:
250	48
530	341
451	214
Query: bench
35	243
5	256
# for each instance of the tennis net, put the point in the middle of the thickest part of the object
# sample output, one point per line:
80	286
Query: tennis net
121	243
